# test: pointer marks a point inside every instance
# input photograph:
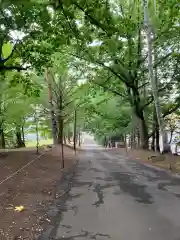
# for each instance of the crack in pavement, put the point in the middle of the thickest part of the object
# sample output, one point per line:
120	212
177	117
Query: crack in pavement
98	190
85	233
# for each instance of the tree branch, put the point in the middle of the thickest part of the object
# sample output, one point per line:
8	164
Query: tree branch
143	85
156	64
109	89
151	100
9	68
169	111
68	103
162	59
92	19
166	113
122	77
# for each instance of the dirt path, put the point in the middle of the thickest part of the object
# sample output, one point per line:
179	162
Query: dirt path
169	162
33	188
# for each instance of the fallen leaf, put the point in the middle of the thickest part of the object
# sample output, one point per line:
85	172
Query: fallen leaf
19	209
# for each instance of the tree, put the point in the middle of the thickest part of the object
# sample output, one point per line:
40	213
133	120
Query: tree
101	43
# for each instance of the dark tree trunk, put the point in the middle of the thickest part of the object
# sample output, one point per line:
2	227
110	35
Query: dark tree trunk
60	130
23	135
157	135
2	139
138	137
153	142
133	139
37	135
79	138
144	133
154	132
170	140
54	127
75	129
62	155
139	113
19	141
60	138
60	119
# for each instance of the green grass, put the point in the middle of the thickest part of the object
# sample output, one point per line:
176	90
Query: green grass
41	143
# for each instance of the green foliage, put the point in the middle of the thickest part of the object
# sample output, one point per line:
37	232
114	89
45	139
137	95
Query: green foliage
98	60
6	49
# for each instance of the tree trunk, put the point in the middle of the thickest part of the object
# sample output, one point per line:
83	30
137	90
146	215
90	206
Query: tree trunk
138	111
138	136
69	138
60	130
171	135
144	133
2	139
157	136
154	130
23	135
75	129
79	138
153	142
133	139
65	140
53	118
60	118
151	75
61	137
62	155
19	141
37	135
133	131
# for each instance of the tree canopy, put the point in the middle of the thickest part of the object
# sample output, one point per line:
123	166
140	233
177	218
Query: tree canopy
96	54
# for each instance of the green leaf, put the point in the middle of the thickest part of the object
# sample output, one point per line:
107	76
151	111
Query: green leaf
6	49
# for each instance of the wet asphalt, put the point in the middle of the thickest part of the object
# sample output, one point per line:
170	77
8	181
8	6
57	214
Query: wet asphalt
109	196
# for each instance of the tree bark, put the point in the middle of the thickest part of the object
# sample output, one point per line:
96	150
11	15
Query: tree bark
75	129
64	140
2	139
53	118
157	136
153	142
154	130
144	133
171	132
152	76
60	118
37	135
60	130
79	138
19	141
23	135
138	111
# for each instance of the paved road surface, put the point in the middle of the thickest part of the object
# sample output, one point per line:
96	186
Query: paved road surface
111	197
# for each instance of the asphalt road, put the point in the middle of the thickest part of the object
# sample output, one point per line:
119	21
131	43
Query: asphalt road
111	197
